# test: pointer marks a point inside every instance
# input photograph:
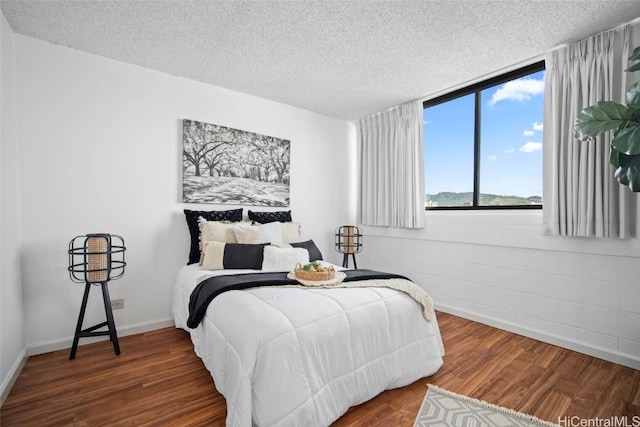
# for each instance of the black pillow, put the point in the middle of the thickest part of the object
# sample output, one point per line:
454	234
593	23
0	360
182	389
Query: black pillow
233	215
266	217
243	255
314	252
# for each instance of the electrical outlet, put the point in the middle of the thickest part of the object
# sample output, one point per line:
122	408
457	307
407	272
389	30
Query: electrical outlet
117	304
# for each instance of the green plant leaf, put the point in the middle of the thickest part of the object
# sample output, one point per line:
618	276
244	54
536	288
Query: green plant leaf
635	55
599	118
635	67
627	140
633	95
614	157
628	173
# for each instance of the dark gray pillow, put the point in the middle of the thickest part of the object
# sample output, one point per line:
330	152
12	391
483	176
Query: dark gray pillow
243	255
266	217
310	246
233	215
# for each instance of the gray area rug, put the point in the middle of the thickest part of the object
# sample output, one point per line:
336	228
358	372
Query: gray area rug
442	408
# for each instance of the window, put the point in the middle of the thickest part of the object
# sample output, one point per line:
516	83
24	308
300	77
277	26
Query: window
483	144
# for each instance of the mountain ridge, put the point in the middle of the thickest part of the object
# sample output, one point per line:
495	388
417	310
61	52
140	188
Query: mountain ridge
448	199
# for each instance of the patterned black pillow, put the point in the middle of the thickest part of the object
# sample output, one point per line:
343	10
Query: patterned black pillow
233	215
266	217
310	246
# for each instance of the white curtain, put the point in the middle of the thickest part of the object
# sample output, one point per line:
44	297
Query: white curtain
391	168
581	196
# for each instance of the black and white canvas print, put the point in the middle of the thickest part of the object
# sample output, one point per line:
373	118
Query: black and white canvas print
226	165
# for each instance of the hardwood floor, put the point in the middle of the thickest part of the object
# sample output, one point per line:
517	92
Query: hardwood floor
158	380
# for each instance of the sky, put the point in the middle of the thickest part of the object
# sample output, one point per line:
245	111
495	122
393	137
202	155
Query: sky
511	141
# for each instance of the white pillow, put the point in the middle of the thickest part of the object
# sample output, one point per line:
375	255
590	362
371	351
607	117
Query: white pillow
291	232
272	232
246	233
282	245
213	256
283	259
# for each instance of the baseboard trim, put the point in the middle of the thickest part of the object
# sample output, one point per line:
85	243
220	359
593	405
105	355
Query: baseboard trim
624	359
13	375
138	328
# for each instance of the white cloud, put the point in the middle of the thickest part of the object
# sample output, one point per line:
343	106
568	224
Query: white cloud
518	90
528	133
537	126
492	158
531	147
427	122
509	150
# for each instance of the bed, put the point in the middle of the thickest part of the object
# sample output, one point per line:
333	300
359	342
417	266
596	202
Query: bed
294	355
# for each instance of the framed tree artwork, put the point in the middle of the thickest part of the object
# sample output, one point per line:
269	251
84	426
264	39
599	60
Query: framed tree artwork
232	166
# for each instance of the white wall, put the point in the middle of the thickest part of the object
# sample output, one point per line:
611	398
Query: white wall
12	343
498	268
101	148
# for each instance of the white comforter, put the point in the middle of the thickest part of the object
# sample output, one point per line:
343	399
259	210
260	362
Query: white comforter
302	357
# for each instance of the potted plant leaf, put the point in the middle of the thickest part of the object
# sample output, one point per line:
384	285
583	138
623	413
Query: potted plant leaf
624	120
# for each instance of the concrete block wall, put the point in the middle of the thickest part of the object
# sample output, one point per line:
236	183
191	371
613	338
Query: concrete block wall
498	268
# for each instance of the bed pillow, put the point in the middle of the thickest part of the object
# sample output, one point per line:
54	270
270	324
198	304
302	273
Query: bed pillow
232	256
194	231
310	246
283	259
217	231
247	233
237	255
272	232
282	245
290	232
213	256
265	217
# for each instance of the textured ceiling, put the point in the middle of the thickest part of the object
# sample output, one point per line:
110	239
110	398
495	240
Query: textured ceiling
345	59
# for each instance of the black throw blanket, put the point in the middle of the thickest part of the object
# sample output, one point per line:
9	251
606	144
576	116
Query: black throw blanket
210	288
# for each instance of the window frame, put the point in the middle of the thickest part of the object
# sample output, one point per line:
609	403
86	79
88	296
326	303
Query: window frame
475	89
